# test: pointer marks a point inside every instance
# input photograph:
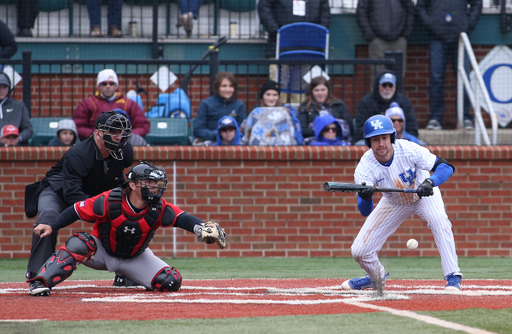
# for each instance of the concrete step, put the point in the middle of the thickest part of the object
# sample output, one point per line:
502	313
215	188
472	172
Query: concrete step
462	137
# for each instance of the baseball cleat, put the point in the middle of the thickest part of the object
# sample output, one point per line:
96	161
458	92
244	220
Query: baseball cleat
362	283
124	282
453	283
38	288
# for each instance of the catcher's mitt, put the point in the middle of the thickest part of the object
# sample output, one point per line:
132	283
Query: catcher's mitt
211	232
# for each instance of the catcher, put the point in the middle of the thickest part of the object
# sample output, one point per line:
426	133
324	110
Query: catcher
125	221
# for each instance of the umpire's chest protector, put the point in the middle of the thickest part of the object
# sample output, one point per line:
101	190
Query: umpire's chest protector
124	233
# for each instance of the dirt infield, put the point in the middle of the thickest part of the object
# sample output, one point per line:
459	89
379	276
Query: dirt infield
98	300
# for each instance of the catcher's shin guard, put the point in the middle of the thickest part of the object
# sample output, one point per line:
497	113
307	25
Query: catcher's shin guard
78	248
168	279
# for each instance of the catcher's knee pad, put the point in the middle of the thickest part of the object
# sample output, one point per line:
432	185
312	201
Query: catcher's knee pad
78	248
168	279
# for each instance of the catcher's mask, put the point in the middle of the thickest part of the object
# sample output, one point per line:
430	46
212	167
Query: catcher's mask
142	175
113	124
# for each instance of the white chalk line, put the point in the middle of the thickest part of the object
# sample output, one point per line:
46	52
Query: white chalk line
422	318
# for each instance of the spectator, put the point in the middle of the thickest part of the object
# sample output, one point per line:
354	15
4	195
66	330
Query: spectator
269	95
386	25
189	10
445	20
277	13
66	134
396	114
10	136
8	46
378	101
27	14
330	132
224	102
87	169
14	112
319	101
113	17
228	133
105	99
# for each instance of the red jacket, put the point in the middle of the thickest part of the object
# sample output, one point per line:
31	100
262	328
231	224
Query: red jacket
90	108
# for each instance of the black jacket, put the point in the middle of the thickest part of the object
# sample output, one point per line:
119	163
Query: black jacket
385	19
434	13
373	104
82	172
337	108
7	42
277	13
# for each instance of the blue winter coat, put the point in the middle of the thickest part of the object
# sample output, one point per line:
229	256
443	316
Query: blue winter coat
236	139
319	124
211	110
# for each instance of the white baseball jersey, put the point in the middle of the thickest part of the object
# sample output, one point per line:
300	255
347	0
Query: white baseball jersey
410	166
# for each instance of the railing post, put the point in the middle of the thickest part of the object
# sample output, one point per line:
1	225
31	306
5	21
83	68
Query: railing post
214	66
27	79
157	52
398	67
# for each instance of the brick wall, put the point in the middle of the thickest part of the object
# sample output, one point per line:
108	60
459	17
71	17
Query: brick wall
271	200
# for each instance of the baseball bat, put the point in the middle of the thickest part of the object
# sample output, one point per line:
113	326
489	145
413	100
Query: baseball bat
355	188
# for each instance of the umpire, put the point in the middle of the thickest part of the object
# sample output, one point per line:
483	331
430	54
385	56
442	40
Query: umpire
86	170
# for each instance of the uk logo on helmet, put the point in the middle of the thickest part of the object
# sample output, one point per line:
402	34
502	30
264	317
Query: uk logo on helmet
377	124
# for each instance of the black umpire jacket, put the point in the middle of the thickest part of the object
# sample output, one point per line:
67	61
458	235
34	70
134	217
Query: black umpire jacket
82	172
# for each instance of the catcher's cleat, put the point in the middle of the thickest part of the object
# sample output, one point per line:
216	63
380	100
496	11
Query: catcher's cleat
38	288
453	282
363	283
122	281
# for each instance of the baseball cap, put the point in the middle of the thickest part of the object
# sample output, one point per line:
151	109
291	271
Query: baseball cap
388	77
227	122
4	80
9	130
107	75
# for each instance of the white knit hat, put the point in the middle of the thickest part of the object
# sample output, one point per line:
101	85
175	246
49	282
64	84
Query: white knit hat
107	75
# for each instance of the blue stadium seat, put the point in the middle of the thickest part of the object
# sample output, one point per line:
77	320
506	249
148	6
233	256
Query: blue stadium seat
168	131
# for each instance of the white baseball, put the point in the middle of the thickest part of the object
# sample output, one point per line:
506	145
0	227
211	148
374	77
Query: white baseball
412	244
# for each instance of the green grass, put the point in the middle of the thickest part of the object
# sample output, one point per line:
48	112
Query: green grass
497	321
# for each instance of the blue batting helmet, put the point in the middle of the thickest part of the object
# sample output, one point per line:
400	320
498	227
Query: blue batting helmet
378	125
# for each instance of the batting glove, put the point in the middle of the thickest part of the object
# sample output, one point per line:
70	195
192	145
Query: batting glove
367	193
426	188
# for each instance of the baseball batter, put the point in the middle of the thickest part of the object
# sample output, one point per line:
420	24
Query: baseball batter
125	221
399	164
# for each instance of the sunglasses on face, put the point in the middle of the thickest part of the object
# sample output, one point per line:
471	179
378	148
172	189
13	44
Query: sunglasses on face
330	129
398	120
108	83
227	129
387	85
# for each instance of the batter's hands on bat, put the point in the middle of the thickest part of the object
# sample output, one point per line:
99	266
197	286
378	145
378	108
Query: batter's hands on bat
367	193
43	230
426	188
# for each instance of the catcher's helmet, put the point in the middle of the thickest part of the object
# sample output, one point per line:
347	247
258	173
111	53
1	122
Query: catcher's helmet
112	122
146	171
378	125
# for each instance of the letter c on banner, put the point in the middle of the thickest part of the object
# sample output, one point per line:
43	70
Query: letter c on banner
487	80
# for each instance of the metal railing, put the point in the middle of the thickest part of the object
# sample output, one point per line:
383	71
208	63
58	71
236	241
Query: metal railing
474	95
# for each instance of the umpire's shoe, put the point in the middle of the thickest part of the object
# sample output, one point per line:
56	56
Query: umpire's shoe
122	281
38	288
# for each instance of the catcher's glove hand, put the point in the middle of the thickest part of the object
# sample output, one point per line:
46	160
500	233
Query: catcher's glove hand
211	232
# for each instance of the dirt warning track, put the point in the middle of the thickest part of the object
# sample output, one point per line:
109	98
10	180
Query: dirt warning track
98	300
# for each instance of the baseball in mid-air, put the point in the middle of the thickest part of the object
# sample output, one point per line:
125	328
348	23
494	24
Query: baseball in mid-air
412	243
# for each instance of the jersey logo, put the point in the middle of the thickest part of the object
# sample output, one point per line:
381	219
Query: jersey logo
408	177
82	204
377	124
126	230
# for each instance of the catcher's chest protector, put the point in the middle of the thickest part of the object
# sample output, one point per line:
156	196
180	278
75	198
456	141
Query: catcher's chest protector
127	234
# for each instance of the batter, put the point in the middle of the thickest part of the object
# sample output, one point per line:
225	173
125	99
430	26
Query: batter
399	164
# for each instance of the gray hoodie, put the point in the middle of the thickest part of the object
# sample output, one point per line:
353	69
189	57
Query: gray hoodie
64	124
15	112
